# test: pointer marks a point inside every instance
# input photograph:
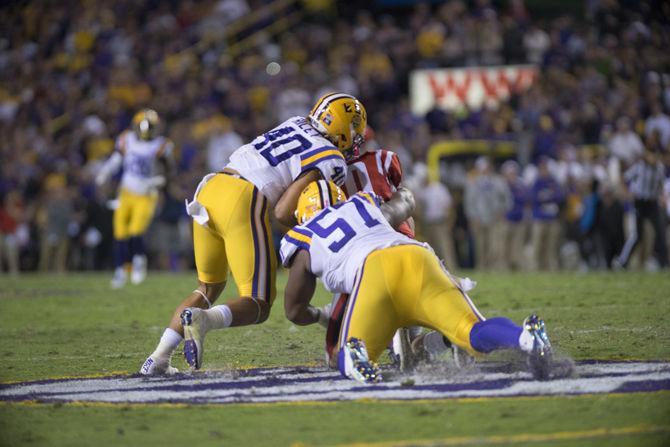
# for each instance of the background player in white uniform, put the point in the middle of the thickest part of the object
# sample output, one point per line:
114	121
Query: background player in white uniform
139	151
394	281
231	228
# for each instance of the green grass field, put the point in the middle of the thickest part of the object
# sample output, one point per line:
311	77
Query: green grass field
56	326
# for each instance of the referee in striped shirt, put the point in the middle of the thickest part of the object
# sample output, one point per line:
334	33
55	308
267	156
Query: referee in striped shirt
645	182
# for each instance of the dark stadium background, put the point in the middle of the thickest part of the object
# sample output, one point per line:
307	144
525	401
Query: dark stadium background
72	74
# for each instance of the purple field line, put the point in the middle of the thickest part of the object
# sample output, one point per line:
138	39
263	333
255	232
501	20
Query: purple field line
253	372
629	387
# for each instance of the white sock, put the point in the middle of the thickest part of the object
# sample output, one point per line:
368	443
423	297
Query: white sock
526	341
169	342
219	317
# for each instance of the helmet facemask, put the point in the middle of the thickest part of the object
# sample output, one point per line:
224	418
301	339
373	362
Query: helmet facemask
146	124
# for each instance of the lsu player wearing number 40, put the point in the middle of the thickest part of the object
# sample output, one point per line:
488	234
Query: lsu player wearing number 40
140	151
231	224
393	282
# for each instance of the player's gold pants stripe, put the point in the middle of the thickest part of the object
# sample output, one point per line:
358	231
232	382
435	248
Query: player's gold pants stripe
261	280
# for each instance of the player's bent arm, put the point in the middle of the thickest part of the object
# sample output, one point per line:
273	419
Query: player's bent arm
169	165
168	172
109	168
399	207
299	291
285	207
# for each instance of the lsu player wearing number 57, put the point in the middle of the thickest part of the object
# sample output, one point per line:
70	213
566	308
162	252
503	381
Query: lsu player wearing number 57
139	151
231	228
393	282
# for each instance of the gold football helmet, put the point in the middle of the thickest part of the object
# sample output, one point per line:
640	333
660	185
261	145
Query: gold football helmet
146	124
315	197
340	118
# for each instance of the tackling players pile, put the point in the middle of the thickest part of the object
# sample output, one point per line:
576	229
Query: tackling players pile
389	280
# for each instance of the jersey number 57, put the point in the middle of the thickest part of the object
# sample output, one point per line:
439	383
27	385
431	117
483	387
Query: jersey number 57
346	229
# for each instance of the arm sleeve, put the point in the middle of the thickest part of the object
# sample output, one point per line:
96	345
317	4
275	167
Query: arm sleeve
121	142
296	239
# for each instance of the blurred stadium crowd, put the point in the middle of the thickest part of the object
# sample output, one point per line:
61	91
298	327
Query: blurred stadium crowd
72	73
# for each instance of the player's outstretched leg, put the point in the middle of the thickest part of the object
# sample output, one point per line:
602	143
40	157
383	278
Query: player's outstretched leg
541	355
121	254
158	363
354	362
195	328
503	333
197	322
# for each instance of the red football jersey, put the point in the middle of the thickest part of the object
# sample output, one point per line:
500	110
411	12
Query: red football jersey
379	172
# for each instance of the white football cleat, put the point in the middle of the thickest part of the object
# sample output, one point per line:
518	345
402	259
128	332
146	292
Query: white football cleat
355	363
158	367
194	322
119	279
540	358
139	271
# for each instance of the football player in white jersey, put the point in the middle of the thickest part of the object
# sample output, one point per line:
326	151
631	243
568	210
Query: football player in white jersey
394	282
231	214
139	151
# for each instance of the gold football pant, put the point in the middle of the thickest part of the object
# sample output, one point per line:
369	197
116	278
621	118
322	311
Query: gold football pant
237	237
406	286
133	215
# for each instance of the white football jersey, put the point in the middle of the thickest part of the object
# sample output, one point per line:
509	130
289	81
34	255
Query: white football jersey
339	239
139	160
275	159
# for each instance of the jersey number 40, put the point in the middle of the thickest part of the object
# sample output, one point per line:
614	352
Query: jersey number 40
283	139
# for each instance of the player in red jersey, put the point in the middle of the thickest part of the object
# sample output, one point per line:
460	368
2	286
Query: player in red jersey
372	170
377	171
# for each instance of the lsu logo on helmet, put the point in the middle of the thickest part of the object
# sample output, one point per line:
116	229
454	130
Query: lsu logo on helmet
315	197
342	119
146	123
